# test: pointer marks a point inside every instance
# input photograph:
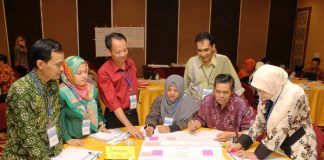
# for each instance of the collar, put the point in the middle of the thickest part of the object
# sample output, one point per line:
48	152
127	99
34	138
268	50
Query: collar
116	68
212	62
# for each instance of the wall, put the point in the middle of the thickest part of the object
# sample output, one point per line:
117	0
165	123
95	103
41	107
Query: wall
316	32
253	30
134	17
195	18
61	24
3	33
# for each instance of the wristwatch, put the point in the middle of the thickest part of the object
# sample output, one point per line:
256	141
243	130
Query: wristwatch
101	124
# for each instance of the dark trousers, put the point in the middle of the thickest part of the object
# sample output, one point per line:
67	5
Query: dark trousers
113	122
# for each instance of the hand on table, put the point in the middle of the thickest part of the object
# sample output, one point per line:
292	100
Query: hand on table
149	131
103	129
233	147
224	136
193	125
163	128
75	142
246	154
136	133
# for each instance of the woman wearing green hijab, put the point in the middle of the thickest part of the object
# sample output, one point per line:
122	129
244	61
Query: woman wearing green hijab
80	113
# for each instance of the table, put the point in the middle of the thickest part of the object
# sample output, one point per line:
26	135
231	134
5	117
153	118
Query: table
146	97
315	93
94	144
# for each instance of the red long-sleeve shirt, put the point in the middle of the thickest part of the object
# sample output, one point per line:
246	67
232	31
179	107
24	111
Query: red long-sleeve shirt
113	85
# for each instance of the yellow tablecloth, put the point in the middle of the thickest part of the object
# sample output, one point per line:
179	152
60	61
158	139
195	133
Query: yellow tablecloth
98	145
315	94
146	97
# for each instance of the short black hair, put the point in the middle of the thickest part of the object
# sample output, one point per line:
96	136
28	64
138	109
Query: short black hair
113	35
205	36
42	50
3	58
315	59
224	78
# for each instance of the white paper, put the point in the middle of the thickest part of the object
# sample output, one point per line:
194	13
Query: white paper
77	154
182	145
115	136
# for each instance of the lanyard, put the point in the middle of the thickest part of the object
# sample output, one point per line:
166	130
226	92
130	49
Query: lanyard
127	79
208	78
49	104
267	117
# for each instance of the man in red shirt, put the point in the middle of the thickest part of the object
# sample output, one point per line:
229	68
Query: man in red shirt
118	85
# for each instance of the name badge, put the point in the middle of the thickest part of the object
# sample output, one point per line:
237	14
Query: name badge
168	121
86	127
52	136
206	92
133	101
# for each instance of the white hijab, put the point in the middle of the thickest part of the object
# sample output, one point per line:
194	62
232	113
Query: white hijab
274	80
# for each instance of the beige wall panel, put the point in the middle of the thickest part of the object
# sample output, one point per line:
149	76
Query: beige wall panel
316	33
131	13
253	30
194	18
60	23
3	33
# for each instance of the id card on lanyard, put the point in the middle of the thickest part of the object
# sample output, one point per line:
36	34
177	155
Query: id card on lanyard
132	98
85	127
168	121
51	128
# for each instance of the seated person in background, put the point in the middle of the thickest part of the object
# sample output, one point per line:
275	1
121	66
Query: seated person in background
314	68
7	77
80	112
247	70
201	69
172	111
283	113
224	110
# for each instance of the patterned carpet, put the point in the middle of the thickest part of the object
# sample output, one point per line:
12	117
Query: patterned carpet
3	138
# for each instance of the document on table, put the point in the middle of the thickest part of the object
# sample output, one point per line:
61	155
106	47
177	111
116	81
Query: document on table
166	150
182	145
115	136
270	157
203	135
77	154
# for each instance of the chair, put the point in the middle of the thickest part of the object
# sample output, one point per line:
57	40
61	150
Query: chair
319	140
248	94
3	108
310	76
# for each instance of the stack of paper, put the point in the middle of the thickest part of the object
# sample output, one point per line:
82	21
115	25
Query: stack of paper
182	145
77	154
115	136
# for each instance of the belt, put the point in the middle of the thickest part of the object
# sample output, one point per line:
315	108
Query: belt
289	141
130	111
